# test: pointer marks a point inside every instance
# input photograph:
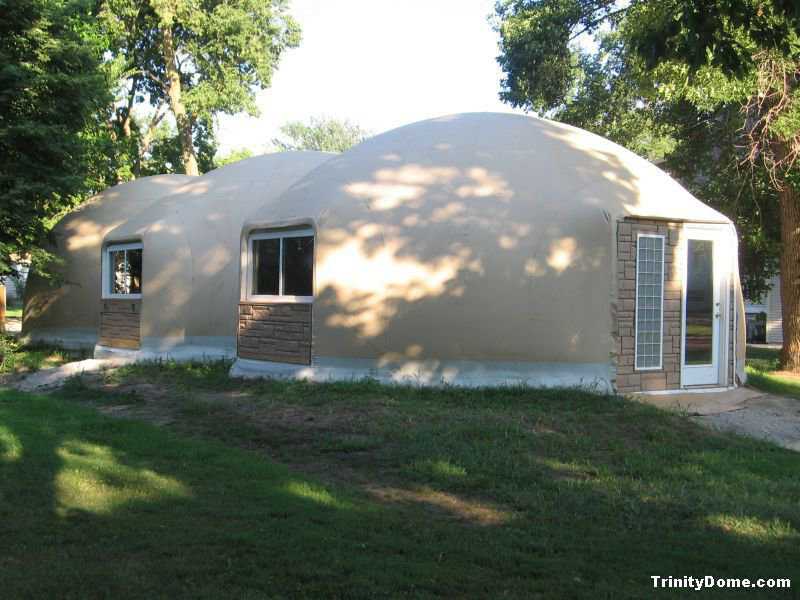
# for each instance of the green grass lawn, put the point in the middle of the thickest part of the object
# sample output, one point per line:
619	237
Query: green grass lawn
761	365
16	358
14	312
275	489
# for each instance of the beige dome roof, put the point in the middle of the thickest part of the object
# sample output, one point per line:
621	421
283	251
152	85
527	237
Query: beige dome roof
473	236
190	227
72	308
472	239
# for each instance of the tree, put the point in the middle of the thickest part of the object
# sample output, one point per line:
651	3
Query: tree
164	149
233	156
323	134
52	91
698	69
192	59
708	159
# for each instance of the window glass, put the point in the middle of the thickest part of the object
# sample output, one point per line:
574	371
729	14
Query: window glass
124	271
282	264
298	264
698	346
119	272
266	260
134	271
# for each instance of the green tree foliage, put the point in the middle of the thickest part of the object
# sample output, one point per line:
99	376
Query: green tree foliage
191	59
232	157
164	155
710	86
708	158
53	94
323	134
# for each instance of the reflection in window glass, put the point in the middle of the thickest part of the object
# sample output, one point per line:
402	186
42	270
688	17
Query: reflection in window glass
699	303
298	261
134	271
119	273
266	259
125	271
283	265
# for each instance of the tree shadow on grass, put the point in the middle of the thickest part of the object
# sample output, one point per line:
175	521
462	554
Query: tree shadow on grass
619	487
96	507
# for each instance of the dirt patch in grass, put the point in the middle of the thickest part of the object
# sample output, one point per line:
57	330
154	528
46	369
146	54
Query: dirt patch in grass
459	455
331	443
334	444
444	504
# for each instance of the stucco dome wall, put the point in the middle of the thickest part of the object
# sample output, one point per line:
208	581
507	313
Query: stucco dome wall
190	228
68	309
191	261
474	237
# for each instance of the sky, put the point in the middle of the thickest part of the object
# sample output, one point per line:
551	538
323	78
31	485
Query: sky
379	64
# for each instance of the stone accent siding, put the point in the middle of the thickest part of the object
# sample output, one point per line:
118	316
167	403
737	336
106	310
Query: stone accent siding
628	379
120	324
275	332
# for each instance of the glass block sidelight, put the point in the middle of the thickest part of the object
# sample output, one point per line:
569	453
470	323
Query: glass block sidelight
649	300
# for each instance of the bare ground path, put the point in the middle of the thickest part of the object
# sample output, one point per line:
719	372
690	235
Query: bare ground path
745	411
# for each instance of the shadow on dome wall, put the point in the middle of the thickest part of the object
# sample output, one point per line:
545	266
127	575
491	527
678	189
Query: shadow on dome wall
70	303
191	256
456	253
483	238
191	259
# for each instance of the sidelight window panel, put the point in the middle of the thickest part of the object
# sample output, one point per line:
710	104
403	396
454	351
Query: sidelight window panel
649	301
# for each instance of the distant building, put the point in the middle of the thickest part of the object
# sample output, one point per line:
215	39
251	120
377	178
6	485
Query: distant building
15	286
765	319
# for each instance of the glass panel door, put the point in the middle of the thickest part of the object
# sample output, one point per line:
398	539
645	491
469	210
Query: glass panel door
703	291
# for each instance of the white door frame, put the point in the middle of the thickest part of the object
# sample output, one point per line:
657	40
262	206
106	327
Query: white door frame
724	256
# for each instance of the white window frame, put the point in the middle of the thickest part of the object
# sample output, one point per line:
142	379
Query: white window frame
106	270
271	235
660	366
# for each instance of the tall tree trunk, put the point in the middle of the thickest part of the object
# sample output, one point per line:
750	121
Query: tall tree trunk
182	119
790	277
126	125
126	118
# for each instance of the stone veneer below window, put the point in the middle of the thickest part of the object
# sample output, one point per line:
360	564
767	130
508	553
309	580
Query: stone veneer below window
278	332
120	324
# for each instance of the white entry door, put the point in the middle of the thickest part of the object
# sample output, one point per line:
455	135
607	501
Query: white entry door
705	293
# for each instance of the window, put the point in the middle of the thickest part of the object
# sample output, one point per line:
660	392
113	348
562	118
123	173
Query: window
122	271
282	265
649	300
